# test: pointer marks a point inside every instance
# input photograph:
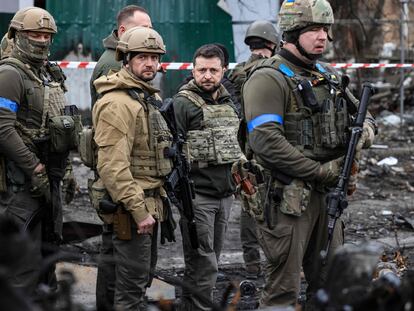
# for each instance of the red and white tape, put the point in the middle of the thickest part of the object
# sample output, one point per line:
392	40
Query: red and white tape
186	66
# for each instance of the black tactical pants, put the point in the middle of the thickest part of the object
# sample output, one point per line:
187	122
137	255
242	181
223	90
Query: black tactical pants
248	237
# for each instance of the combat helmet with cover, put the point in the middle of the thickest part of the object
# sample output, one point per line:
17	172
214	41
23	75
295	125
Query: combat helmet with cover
299	14
139	39
32	19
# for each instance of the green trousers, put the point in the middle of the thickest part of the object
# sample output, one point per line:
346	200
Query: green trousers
201	265
248	237
135	262
296	242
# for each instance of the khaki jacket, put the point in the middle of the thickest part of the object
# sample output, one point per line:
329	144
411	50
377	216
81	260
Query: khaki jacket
114	118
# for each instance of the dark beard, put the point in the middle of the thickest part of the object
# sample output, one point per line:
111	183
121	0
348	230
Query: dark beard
209	91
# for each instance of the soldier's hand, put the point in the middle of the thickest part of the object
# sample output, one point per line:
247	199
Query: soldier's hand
39	183
367	137
353	178
329	172
146	225
40	168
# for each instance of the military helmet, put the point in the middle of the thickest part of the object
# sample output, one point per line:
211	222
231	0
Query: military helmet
140	39
32	19
6	47
298	14
261	29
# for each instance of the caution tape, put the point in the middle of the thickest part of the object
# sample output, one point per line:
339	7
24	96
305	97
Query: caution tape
187	66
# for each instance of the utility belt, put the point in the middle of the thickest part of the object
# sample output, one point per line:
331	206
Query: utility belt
116	214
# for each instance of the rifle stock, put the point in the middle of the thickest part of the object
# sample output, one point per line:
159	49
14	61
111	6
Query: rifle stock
179	186
337	200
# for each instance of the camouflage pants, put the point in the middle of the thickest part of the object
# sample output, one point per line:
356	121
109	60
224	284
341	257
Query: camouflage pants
134	268
201	265
295	242
248	237
21	207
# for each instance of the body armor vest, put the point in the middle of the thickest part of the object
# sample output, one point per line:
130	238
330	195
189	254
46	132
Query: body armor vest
152	137
320	129
216	143
44	99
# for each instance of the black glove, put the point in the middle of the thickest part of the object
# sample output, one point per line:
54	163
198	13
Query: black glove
168	225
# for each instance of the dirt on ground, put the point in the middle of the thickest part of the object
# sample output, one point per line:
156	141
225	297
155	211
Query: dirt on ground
381	210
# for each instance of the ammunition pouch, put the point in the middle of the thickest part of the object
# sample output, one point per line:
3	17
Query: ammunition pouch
3	184
63	135
98	193
87	147
292	199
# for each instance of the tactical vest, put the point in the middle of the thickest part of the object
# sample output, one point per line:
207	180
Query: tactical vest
216	143
321	131
152	137
43	100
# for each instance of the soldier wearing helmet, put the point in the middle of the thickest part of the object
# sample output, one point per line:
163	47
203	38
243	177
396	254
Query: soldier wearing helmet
262	39
298	112
128	17
31	104
131	136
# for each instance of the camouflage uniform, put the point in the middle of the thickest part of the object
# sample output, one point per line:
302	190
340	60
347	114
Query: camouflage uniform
288	137
199	117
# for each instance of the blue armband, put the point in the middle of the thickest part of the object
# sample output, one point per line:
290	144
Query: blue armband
262	119
8	104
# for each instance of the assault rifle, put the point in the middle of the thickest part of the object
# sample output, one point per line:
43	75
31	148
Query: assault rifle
337	201
178	180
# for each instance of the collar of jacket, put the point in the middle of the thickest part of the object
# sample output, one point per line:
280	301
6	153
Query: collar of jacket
123	79
296	61
111	41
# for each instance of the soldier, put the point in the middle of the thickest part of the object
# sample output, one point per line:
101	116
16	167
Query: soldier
130	16
131	134
208	120
298	113
35	136
262	39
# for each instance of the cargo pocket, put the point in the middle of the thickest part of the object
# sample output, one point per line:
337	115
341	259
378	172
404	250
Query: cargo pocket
275	243
295	198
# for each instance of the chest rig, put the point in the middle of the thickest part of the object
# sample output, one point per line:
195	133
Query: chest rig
44	99
317	114
216	142
152	137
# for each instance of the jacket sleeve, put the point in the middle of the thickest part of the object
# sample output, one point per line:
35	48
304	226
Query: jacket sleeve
11	144
265	95
114	148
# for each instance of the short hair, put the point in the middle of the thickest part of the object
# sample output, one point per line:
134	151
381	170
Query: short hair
128	12
209	51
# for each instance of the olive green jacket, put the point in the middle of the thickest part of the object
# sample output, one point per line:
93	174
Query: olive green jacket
267	92
105	63
213	180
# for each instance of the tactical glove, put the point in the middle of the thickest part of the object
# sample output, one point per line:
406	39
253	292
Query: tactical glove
353	178
329	172
367	137
70	185
40	185
168	225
